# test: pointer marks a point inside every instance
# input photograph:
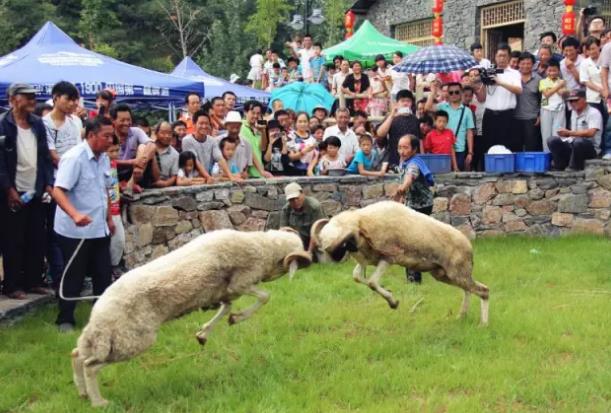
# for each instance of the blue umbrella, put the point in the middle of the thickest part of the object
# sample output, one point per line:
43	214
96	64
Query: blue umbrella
303	97
436	59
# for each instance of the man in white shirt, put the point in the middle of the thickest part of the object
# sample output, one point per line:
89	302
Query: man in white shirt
573	146
305	54
350	143
500	102
569	66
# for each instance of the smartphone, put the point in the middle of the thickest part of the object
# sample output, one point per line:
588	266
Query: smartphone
262	122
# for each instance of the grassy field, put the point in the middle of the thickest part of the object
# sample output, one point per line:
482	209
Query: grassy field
326	344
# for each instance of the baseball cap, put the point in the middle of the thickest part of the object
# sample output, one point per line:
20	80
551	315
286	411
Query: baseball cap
576	94
20	88
292	190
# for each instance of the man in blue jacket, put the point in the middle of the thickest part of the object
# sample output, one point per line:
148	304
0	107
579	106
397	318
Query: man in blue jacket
26	173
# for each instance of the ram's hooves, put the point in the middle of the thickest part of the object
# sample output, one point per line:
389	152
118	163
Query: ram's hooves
201	340
394	305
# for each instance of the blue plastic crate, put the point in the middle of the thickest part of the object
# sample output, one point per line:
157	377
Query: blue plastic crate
438	164
500	163
533	161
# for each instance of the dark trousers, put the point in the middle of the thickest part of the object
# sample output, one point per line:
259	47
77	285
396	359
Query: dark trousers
571	154
479	150
498	130
55	260
93	258
23	238
528	135
416	276
602	108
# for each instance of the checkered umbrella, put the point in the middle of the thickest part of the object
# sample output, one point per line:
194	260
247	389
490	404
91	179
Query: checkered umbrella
436	59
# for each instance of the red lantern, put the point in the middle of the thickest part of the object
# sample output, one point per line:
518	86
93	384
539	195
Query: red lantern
437	27
569	2
349	20
438	6
568	23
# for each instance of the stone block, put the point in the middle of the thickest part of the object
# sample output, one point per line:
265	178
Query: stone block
510	216
467	231
252	224
440	204
221	194
155	200
457	221
492	215
272	192
237	197
521	212
515	226
256	201
239	208
541	207
491	233
351	195
207	206
213	220
513	186
599	198
205	196
390	188
324	188
236	217
579	188
159	251
322	196
373	191
183	226
165	216
250	189
195	223
188	215
331	207
260	214
588	226
608	230
561	219
163	234
484	193
185	203
141	214
602	214
180	240
573	203
536	193
521	201
442	216
503	199
604	181
460	204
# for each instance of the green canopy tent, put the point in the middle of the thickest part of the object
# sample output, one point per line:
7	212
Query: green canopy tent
366	44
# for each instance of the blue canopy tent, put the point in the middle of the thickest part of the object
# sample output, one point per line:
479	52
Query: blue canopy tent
215	86
51	55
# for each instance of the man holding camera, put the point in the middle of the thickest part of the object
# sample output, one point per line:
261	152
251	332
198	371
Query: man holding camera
498	89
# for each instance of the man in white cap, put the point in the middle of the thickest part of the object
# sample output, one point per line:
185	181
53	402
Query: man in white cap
300	212
244	156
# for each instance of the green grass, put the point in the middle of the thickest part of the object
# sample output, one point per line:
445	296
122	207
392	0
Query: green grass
326	344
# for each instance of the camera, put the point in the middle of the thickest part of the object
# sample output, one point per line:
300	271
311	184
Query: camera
488	74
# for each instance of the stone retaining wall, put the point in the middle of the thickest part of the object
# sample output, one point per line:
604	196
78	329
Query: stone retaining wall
554	203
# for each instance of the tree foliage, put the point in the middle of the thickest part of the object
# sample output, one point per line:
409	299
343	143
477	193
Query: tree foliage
219	34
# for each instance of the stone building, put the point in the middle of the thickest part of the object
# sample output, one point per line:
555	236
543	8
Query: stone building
518	22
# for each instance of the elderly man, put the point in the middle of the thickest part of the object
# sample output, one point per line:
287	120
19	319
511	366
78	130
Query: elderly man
573	146
83	221
26	173
300	212
244	157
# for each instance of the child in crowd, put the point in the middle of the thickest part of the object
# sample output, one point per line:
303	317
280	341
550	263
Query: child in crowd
187	173
256	69
552	89
441	140
317	131
285	77
273	77
364	159
295	74
317	63
314	165
117	241
228	148
331	159
415	181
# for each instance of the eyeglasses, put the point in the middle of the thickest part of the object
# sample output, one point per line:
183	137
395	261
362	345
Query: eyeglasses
453	92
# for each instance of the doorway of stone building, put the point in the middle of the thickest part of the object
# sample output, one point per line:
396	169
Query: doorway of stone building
502	22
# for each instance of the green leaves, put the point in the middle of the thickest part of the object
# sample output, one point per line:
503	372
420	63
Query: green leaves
264	23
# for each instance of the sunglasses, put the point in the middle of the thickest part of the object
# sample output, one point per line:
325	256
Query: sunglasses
453	92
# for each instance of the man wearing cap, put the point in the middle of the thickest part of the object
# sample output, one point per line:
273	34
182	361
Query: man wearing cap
300	212
243	157
573	146
26	173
